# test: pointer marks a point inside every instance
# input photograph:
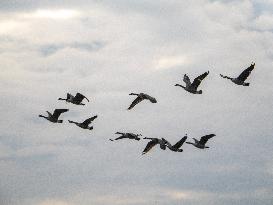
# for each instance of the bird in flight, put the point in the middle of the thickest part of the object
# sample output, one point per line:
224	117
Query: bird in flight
126	135
54	117
153	142
140	97
176	146
192	87
85	123
77	99
240	80
201	144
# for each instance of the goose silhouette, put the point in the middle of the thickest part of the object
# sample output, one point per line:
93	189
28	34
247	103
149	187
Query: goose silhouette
141	97
192	87
201	144
54	117
240	80
77	99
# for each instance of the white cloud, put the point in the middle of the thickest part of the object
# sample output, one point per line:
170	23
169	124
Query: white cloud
264	22
10	26
171	61
54	14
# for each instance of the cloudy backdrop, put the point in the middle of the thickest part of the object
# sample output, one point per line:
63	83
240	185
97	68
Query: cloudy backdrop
107	49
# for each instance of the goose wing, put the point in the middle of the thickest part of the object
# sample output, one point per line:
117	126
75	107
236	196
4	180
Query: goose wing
198	80
205	138
187	80
149	146
58	112
79	97
152	99
136	101
243	76
166	142
131	135
180	142
68	96
162	143
89	120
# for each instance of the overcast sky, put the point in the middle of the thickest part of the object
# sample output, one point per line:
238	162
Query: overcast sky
108	49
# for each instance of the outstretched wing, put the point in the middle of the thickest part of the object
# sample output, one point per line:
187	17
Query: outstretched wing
68	96
149	146
198	80
136	101
243	76
58	112
152	99
79	97
205	138
187	80
89	120
180	142
166	142
121	137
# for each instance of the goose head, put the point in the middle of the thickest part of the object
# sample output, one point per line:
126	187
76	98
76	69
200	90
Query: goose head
153	100
245	84
59	121
180	150
199	92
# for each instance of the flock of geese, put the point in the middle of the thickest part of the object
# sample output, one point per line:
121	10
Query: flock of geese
163	143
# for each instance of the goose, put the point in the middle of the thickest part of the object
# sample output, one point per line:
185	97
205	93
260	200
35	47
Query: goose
85	123
77	99
54	117
176	146
192	87
153	142
201	144
240	80
140	97
126	135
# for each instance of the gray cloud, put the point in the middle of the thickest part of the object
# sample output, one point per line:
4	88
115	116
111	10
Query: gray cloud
47	50
149	49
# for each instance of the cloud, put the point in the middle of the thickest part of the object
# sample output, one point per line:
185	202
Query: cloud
47	50
106	50
172	61
54	202
54	14
264	22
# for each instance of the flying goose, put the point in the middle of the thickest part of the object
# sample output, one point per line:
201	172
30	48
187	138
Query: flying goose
192	87
127	135
140	97
85	123
240	80
55	116
201	144
77	100
153	142
176	146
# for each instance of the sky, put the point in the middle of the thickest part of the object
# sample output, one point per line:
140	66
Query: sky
108	49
